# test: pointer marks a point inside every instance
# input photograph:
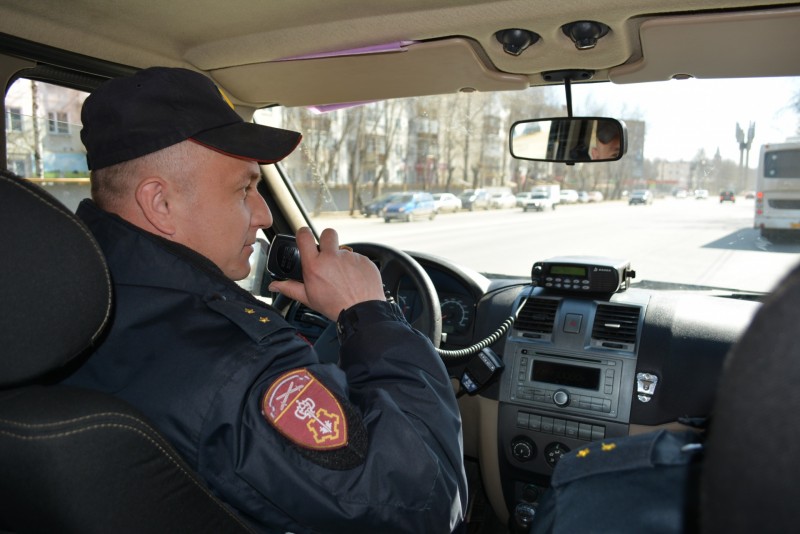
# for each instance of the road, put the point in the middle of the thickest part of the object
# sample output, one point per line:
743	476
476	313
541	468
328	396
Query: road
686	241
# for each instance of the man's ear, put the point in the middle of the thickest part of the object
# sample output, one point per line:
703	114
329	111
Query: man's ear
152	196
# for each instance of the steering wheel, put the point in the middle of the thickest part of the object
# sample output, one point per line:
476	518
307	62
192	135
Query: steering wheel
394	265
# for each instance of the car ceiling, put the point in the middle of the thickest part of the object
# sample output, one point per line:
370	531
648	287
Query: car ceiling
450	45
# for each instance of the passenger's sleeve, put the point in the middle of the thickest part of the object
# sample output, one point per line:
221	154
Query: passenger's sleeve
278	456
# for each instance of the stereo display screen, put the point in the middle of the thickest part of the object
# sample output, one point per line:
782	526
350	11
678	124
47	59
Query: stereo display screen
565	375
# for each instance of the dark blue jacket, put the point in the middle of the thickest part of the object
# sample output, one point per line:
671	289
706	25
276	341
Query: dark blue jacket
372	445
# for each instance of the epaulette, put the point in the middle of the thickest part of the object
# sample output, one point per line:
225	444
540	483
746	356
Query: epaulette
257	320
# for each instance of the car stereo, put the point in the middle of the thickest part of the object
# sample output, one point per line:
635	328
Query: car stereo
582	274
589	386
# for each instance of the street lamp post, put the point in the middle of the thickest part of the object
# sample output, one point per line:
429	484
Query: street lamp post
744	146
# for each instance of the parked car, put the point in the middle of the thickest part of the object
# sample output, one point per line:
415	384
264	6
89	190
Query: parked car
502	201
595	196
375	207
472	199
568	196
640	196
446	202
410	206
700	194
727	196
581	371
583	197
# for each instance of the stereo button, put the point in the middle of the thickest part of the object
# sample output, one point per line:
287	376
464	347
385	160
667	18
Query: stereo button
572	429
561	398
547	425
522	419
535	422
559	427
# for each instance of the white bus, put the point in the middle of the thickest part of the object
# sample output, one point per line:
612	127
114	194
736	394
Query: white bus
778	189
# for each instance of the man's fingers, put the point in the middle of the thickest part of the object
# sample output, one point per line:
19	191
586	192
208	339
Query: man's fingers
290	288
306	243
328	240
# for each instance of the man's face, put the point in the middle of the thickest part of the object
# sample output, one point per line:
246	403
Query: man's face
608	150
220	218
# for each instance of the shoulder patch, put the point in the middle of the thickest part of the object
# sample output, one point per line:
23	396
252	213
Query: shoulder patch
304	411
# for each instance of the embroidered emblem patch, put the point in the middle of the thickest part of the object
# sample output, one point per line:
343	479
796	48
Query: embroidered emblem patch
302	409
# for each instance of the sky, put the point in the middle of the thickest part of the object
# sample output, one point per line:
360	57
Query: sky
718	104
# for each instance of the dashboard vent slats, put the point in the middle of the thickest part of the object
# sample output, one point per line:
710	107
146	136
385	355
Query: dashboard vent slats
616	326
538	316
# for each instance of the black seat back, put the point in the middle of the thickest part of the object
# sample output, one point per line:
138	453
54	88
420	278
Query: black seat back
74	460
751	479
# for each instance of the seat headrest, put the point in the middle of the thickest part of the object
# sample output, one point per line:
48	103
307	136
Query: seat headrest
56	289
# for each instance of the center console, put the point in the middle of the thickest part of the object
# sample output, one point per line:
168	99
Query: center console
569	379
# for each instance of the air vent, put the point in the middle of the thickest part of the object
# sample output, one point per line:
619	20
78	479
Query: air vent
537	317
615	327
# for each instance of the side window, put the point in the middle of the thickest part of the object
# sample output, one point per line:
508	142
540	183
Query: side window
57	122
43	141
14	119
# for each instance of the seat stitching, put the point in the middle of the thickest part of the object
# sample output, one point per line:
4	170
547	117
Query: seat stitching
157	445
75	420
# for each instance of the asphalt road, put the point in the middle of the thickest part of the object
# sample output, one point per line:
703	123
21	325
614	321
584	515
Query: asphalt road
700	242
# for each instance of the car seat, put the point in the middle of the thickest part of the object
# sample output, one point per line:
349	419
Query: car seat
751	477
71	459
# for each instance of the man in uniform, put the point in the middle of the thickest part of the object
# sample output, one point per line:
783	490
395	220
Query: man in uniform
372	445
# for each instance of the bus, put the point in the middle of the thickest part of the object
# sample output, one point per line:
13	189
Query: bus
778	189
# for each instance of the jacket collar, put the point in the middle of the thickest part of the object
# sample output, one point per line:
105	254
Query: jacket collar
139	258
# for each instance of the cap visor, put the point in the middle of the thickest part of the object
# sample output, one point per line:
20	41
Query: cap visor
250	141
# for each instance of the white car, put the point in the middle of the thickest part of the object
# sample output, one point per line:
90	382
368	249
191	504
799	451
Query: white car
569	196
446	202
502	201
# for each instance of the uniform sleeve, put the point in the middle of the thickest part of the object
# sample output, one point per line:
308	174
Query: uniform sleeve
277	454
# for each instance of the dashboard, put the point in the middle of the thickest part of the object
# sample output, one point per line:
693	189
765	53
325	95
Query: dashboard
577	368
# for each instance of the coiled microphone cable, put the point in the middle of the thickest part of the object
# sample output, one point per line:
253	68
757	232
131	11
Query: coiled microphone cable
449	355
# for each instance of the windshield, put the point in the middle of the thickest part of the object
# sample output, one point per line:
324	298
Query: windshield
688	135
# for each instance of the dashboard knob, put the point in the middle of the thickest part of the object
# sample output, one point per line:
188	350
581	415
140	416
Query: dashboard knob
561	398
553	453
523	449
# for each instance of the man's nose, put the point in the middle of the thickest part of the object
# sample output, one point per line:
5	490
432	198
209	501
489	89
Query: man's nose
261	215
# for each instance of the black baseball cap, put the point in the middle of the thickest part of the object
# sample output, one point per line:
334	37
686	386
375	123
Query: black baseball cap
126	118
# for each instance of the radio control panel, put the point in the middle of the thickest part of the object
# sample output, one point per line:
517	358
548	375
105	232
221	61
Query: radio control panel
582	386
579	274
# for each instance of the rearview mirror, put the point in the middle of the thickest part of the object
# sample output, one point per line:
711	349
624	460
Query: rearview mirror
569	139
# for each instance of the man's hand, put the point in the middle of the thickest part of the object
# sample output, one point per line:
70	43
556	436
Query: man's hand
334	278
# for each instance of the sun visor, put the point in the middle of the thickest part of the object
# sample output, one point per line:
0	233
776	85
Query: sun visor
715	45
433	67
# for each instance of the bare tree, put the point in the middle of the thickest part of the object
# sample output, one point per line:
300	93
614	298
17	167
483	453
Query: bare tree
390	112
